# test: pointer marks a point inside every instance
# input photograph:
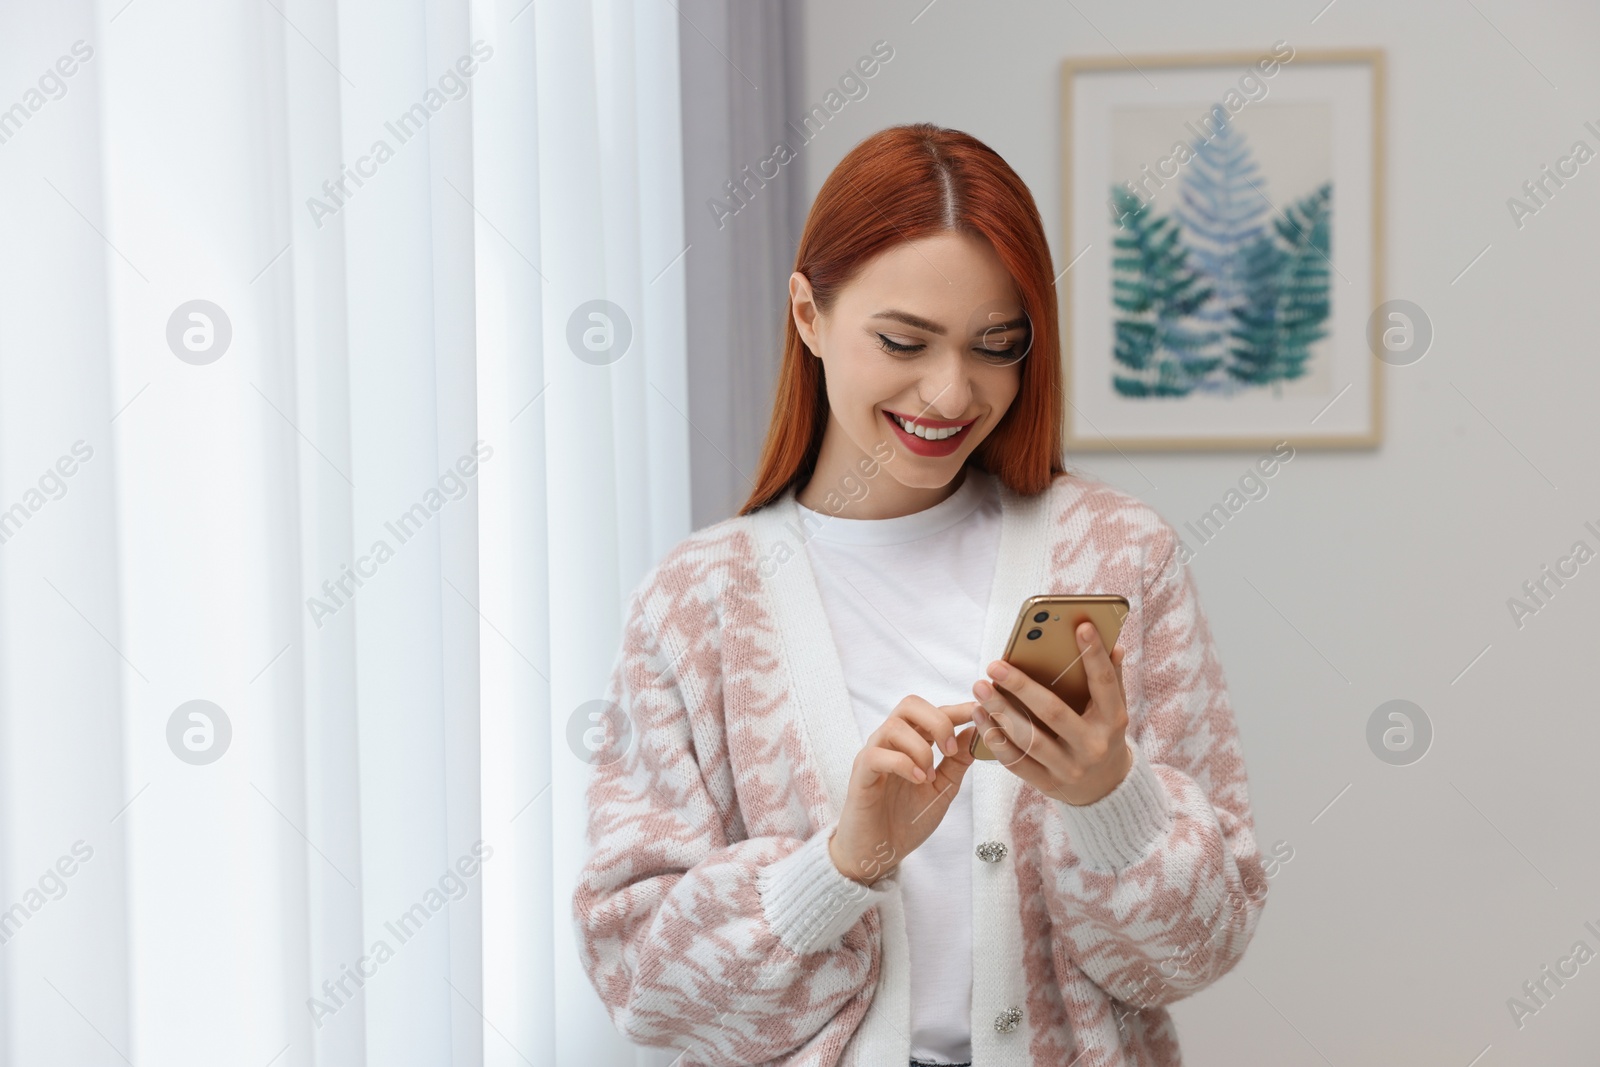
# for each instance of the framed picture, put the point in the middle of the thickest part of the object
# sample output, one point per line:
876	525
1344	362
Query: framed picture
1223	219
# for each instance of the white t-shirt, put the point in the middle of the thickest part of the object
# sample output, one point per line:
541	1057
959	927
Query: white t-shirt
906	598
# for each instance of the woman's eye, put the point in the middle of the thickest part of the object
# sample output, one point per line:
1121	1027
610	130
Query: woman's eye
990	352
996	349
890	346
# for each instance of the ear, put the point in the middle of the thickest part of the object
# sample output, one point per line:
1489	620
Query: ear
805	310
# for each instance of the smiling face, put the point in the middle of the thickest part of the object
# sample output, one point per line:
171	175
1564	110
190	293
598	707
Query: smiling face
922	354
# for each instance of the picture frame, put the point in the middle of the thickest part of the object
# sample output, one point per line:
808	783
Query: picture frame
1222	222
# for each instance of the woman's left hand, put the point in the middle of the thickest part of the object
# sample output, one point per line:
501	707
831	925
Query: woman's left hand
1087	756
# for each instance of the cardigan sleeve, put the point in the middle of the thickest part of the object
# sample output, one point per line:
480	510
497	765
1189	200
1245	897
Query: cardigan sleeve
1155	890
695	935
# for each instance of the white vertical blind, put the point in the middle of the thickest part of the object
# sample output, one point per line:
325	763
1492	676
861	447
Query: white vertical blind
613	439
62	780
387	531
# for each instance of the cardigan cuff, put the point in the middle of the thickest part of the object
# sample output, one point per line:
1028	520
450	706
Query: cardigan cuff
809	903
1121	827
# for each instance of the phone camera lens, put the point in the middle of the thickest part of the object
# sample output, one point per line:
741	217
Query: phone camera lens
1035	634
1040	616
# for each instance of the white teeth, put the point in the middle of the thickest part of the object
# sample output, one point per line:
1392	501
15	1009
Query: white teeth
924	432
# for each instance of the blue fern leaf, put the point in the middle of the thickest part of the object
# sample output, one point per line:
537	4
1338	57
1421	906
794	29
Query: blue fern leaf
1222	209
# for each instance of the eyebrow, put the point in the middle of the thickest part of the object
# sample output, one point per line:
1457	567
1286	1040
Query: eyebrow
912	320
933	327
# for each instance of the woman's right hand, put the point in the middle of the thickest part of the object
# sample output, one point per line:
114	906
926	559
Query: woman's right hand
888	810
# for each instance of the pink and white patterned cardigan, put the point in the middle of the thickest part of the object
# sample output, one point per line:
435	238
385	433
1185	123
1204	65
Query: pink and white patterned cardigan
709	916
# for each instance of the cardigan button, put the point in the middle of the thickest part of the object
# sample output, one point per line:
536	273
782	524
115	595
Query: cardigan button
1007	1020
992	851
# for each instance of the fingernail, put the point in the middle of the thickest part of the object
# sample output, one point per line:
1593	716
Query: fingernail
998	669
950	745
916	772
1085	633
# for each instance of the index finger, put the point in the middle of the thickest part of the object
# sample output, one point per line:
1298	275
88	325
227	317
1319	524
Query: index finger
931	722
960	714
1040	701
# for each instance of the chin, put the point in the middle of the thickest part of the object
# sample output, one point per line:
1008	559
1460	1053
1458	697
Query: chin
928	472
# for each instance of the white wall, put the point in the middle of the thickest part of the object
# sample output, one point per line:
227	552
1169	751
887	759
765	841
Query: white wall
1415	906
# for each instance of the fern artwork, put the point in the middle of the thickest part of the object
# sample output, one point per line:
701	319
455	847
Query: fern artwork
1198	195
1228	289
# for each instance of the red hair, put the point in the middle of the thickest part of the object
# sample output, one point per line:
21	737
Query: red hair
902	184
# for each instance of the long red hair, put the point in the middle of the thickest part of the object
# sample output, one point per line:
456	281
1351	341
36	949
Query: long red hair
901	184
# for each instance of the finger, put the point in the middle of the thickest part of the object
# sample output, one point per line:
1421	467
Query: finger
1105	681
948	781
900	735
1040	739
959	714
947	784
1011	755
953	768
1045	705
877	761
988	719
1020	735
931	722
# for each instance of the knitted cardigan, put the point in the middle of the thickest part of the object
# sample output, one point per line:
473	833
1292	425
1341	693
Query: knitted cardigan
709	915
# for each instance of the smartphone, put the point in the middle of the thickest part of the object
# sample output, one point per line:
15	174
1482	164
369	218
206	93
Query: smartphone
1044	645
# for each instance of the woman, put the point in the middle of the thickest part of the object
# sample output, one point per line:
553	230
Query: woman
797	860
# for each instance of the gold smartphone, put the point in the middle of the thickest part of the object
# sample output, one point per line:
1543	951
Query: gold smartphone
1044	646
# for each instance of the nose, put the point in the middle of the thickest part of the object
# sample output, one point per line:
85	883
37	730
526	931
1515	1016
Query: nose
946	388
